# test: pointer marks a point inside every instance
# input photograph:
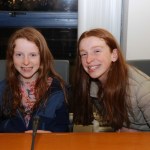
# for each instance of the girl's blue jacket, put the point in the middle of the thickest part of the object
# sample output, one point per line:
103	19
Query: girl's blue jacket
54	115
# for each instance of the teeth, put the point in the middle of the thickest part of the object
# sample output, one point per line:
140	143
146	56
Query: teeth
92	67
27	69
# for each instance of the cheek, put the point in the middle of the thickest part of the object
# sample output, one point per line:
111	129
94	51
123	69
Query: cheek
16	67
35	61
16	61
83	61
107	60
38	62
84	67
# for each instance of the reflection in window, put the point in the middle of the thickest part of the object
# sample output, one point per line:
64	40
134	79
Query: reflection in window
39	5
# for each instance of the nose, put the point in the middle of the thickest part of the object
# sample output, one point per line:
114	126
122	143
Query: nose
26	60
89	58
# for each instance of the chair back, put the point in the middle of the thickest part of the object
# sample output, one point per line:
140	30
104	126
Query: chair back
2	69
143	65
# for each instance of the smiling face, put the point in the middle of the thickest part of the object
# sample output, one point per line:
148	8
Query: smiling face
96	57
26	59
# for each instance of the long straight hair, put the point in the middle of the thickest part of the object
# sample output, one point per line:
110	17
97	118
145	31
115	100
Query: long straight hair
114	91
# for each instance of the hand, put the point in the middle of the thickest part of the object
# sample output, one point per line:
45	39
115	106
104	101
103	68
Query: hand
124	129
38	131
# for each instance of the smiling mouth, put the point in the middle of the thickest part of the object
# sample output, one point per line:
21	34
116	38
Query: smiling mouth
26	68
92	68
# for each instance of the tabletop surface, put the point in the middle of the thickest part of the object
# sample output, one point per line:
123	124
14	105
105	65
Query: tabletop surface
76	141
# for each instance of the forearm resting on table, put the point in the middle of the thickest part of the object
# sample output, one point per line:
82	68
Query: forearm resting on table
38	131
124	129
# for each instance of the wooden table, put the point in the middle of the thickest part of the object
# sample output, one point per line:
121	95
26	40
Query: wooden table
76	141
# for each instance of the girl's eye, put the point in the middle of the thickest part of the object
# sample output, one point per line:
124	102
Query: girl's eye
33	54
18	54
83	54
97	50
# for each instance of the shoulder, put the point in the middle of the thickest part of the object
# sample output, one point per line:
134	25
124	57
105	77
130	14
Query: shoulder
139	84
55	92
56	96
137	77
55	86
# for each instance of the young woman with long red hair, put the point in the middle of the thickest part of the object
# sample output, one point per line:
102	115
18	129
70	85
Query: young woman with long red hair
123	91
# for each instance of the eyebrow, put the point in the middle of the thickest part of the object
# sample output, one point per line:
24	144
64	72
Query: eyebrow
93	47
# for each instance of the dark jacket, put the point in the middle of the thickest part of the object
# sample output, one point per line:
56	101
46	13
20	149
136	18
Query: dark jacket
54	115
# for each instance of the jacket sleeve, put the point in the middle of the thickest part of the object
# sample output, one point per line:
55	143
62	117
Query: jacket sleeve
55	116
62	118
143	96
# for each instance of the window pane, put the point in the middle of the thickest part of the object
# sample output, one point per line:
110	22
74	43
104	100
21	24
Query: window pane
39	5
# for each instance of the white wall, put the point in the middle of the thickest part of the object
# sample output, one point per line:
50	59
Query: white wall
100	14
136	29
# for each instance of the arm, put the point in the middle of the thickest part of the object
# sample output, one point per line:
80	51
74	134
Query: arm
143	96
61	117
124	129
54	115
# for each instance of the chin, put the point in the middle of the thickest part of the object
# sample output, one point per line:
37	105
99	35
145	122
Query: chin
94	76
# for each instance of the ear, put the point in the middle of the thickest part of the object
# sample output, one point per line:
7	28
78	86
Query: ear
114	55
